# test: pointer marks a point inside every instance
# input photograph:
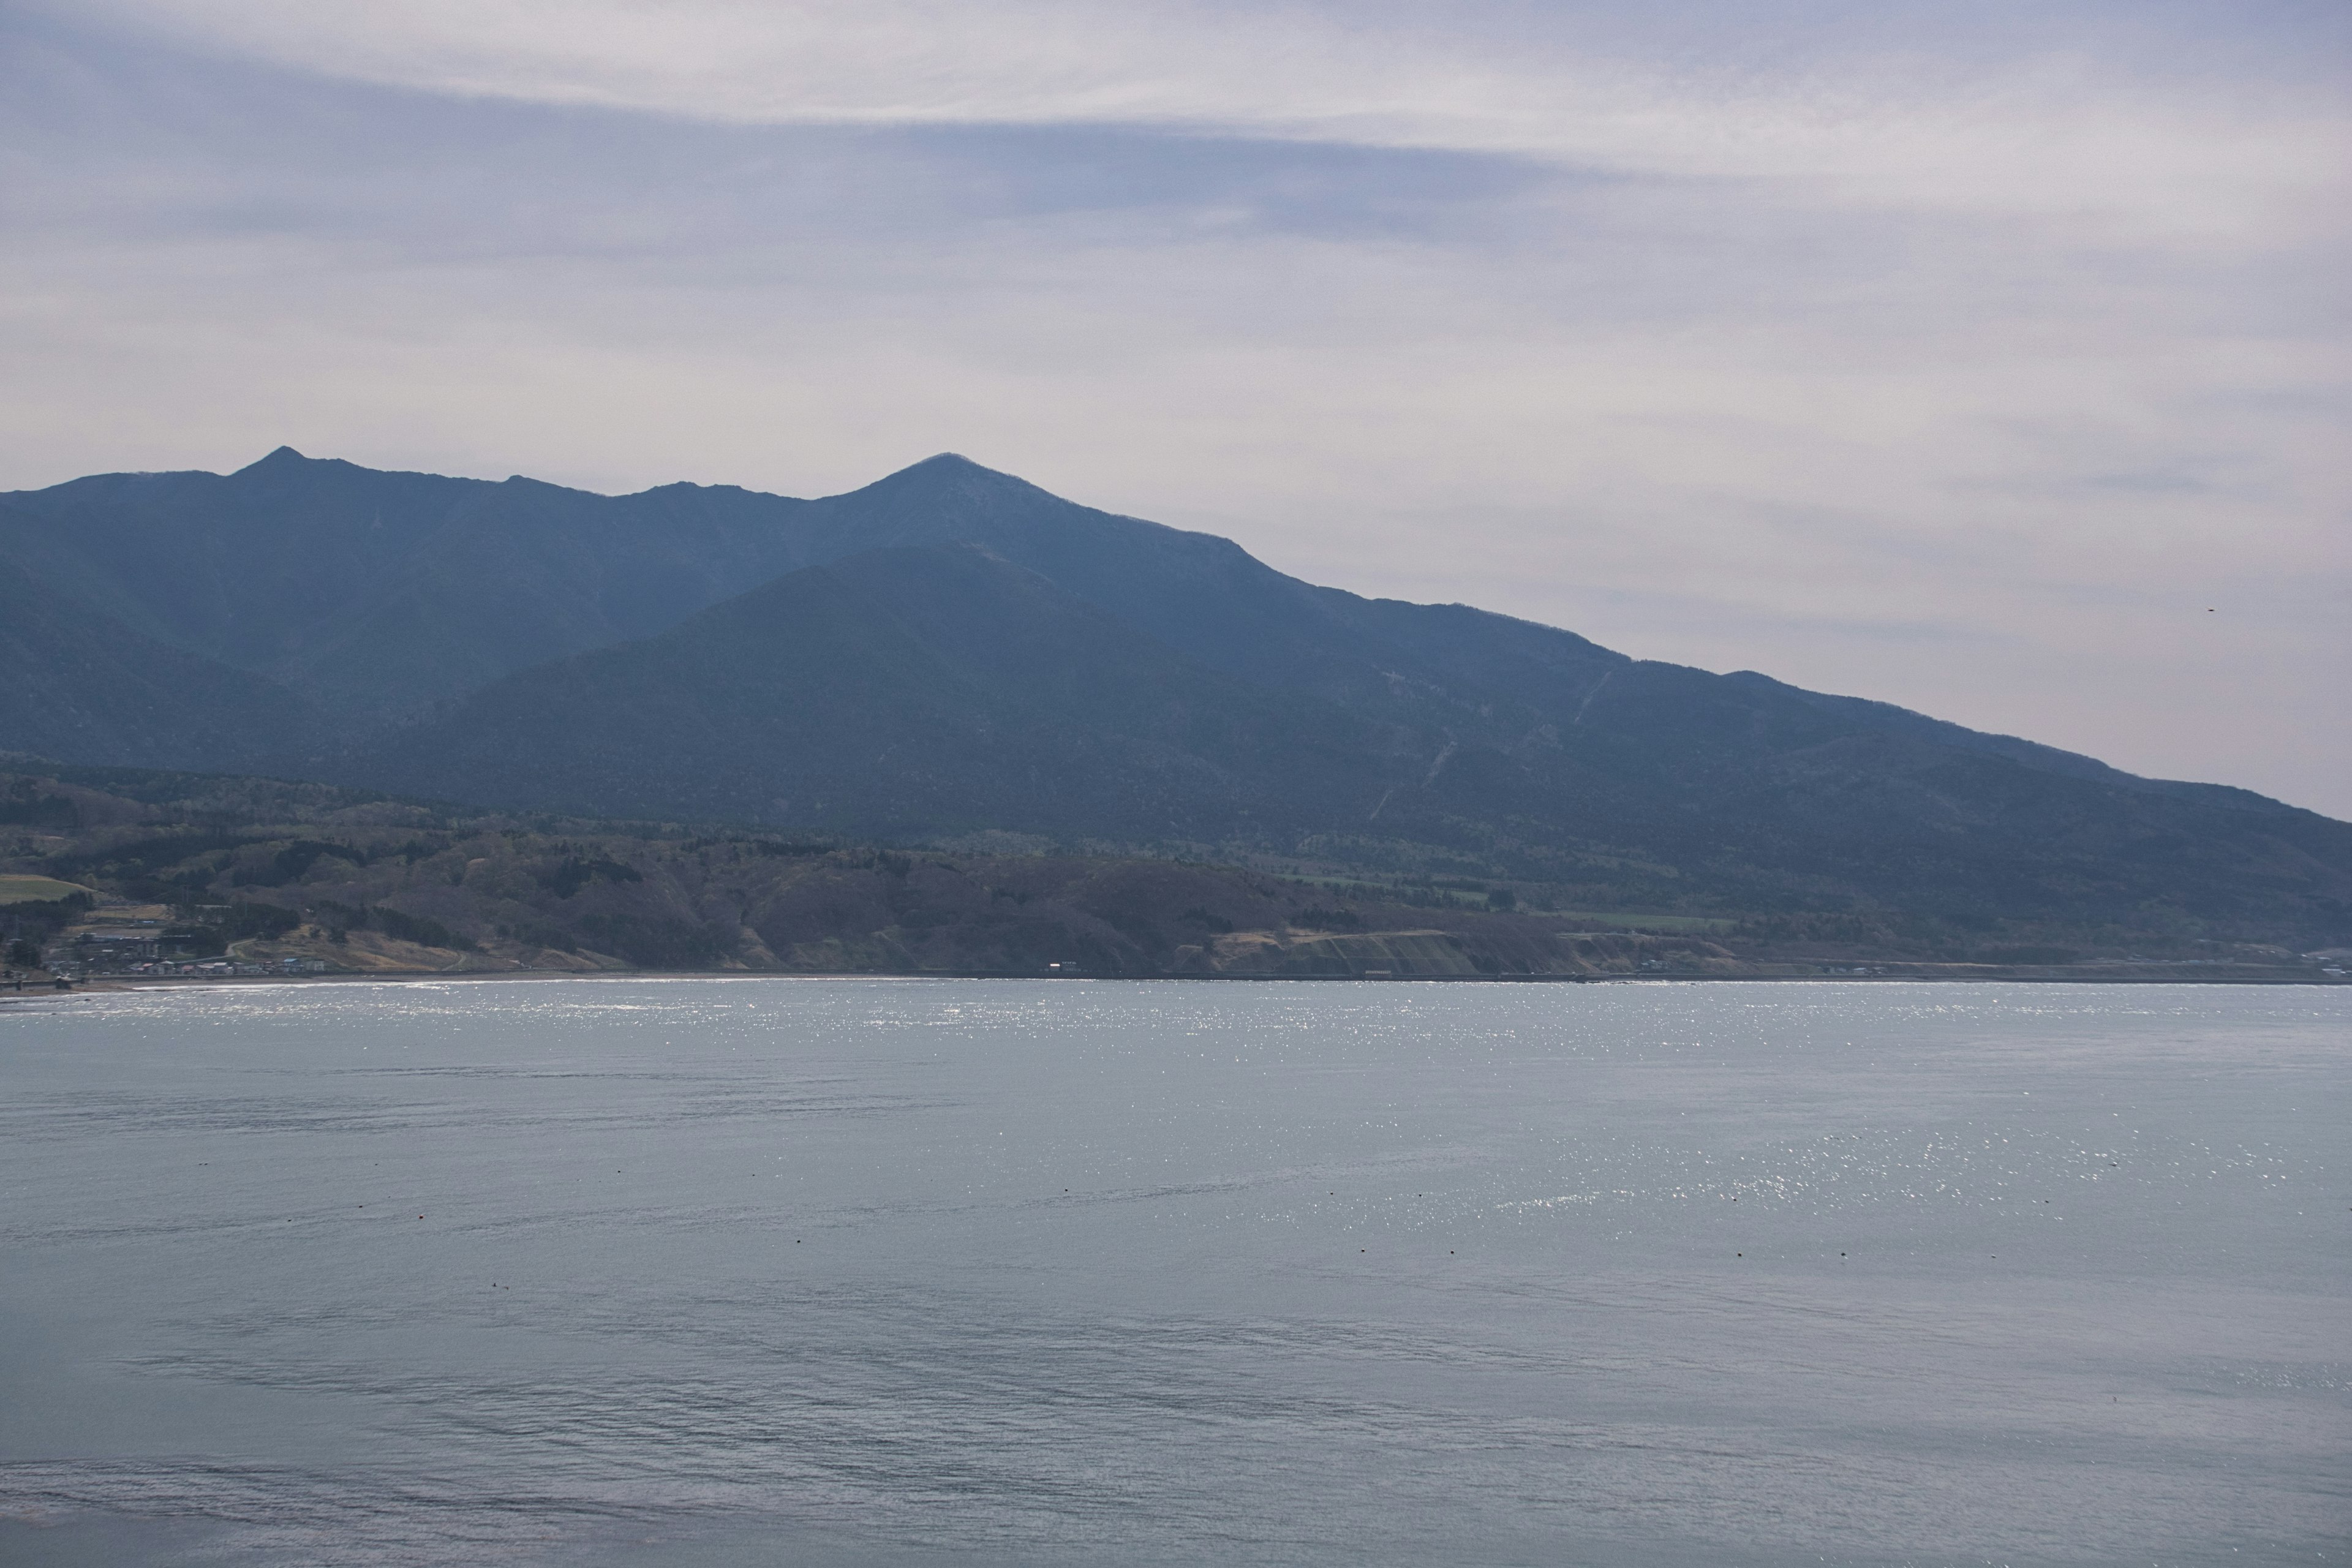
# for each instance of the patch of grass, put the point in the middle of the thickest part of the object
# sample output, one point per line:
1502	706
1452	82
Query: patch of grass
18	890
1581	922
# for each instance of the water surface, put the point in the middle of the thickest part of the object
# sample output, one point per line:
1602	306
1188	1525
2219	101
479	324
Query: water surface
735	1272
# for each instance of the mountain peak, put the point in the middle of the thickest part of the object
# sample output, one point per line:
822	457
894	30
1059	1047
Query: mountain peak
954	481
283	458
288	463
949	465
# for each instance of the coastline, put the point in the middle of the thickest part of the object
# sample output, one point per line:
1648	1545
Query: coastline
124	984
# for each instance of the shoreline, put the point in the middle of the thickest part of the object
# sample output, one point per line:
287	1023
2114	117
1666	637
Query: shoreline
124	984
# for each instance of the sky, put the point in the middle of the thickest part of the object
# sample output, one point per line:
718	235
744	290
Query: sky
1987	359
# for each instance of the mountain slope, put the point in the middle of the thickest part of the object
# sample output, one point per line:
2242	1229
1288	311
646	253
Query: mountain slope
902	690
80	687
916	692
379	592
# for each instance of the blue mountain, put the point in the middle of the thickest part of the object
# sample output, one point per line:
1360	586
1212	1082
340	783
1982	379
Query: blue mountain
954	650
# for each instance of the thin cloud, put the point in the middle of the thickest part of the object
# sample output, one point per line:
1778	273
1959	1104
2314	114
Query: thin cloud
2054	129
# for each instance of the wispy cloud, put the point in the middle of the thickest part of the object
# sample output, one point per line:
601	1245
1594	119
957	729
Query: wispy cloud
1985	109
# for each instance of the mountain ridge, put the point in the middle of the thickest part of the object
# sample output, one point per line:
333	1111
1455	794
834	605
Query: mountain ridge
528	645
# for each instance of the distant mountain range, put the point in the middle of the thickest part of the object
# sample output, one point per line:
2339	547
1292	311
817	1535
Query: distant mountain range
952	652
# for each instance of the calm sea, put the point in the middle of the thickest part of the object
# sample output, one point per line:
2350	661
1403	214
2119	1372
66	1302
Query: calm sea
774	1272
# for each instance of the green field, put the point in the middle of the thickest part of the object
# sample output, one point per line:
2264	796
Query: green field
1577	922
17	889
